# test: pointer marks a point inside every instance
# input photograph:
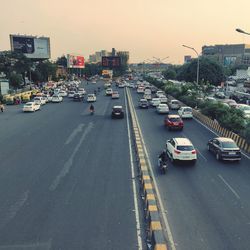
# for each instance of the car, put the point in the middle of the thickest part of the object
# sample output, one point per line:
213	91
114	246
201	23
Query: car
71	94
91	98
56	98
31	107
231	103
62	93
155	102
174	104
78	97
117	112
109	92
163	99
173	122
162	108
181	149
245	108
147	96
107	85
140	90
115	95
143	103
224	149
121	85
40	100
159	93
185	112
81	91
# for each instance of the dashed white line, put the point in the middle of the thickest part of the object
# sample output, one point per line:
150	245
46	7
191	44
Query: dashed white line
231	189
138	225
74	133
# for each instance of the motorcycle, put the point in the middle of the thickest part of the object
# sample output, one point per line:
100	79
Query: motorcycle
162	166
92	111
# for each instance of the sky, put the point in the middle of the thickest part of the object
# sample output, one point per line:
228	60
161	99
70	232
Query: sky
145	28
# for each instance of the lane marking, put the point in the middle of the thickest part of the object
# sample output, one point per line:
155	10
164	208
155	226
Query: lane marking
231	189
69	163
74	133
248	157
162	209
138	225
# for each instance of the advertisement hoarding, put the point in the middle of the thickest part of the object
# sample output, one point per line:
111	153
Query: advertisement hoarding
31	46
111	61
75	61
4	87
229	60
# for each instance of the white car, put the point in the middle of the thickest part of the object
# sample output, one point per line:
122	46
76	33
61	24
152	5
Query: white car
181	149
185	112
163	99
62	93
91	98
162	108
174	104
109	91
81	91
56	98
71	94
155	102
159	93
140	90
147	96
40	100
31	107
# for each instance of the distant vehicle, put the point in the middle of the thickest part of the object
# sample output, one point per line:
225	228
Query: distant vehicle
147	97
155	102
185	112
71	94
78	97
121	85
143	103
162	108
231	103
109	91
147	91
107	85
153	89
173	122
163	99
56	98
40	100
117	112
81	91
245	108
62	93
115	95
224	149
174	104
159	93
181	149
31	107
140	90
91	98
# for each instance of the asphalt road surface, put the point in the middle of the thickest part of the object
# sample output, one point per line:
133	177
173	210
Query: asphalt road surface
65	178
207	205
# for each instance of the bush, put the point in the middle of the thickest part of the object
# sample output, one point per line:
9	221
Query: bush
246	133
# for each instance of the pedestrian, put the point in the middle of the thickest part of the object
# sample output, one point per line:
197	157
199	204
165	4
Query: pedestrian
1	107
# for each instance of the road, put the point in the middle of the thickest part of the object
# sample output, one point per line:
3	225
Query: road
65	178
207	205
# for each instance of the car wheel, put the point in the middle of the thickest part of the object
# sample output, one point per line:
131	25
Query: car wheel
218	156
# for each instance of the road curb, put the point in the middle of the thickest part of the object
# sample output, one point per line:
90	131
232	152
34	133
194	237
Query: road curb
152	214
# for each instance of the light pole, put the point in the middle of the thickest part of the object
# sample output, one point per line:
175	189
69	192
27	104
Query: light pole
242	31
198	63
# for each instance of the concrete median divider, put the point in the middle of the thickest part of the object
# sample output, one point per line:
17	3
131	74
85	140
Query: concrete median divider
156	233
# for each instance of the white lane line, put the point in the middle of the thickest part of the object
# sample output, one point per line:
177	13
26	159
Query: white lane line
162	209
74	133
69	163
138	225
248	157
231	189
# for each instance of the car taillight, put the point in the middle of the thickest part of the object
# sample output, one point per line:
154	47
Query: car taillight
177	151
194	152
181	123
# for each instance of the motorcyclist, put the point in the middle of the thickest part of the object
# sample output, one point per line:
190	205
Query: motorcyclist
163	158
92	108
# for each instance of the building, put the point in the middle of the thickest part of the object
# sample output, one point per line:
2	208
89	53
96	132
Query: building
228	54
124	56
187	59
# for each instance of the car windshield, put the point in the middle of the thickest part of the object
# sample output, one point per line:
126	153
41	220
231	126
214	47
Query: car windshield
175	119
185	148
229	144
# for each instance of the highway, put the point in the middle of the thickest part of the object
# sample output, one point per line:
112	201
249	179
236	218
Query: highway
207	206
65	178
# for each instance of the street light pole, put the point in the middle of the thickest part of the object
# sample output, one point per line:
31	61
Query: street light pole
242	31
198	63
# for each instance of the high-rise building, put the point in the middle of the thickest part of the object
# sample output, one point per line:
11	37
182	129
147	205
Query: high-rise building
228	54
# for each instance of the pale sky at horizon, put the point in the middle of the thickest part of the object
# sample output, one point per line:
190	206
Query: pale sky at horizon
144	28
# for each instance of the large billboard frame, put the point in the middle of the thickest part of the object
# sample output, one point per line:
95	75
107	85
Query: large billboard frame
31	46
78	61
111	62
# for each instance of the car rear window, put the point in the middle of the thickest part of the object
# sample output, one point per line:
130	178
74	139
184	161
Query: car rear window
188	110
117	110
185	148
174	119
28	104
175	102
229	144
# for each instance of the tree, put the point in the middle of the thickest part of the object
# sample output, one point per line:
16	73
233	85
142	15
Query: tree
15	80
170	74
62	61
47	70
210	71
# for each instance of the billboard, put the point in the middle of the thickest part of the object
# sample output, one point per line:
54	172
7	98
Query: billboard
229	60
75	61
111	61
31	46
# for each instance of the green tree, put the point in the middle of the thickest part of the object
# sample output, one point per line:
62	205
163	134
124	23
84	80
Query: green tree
15	80
62	61
169	74
47	70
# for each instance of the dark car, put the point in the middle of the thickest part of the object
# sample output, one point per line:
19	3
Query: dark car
224	149
173	122
143	103
78	97
117	112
